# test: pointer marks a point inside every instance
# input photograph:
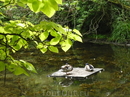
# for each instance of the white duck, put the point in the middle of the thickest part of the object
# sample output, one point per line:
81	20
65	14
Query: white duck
89	67
66	68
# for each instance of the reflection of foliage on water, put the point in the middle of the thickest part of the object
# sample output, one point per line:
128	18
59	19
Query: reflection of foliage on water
113	82
112	87
122	56
117	84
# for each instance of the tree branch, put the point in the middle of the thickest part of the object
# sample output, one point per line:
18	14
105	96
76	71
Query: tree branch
119	4
10	2
5	34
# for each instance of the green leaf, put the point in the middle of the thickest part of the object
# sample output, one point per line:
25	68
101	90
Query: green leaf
19	45
48	10
54	33
53	49
77	32
11	67
2	29
78	38
59	1
35	5
53	4
30	1
54	41
1	36
43	50
2	66
65	45
40	45
74	37
29	66
43	35
25	1
2	54
18	70
2	14
14	39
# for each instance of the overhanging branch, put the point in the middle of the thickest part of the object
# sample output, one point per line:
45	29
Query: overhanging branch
10	2
5	34
119	4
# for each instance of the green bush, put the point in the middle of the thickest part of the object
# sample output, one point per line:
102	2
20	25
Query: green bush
121	30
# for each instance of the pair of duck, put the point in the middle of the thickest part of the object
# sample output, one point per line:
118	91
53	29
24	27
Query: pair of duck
66	68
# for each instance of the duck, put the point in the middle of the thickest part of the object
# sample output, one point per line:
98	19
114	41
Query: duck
66	68
89	67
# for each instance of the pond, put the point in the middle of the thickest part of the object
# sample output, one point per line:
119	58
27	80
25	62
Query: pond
113	82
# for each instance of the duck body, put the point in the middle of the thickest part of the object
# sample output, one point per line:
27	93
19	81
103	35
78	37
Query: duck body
89	67
66	68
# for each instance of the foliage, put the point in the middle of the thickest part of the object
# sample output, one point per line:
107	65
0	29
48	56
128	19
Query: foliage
48	7
121	25
85	16
121	30
99	17
16	35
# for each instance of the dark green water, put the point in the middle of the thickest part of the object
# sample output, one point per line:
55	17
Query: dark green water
113	82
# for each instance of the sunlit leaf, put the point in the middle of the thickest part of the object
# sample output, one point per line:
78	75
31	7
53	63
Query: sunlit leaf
19	45
65	45
59	1
48	10
2	29
2	0
43	35
1	36
53	49
40	45
77	32
21	25
14	39
75	37
43	50
53	4
78	38
35	5
54	41
25	1
30	1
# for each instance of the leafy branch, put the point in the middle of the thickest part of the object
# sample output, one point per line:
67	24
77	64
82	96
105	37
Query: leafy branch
9	3
16	34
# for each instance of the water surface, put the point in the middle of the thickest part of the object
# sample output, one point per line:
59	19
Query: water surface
113	82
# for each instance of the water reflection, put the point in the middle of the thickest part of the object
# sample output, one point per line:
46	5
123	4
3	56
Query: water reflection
113	82
66	82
